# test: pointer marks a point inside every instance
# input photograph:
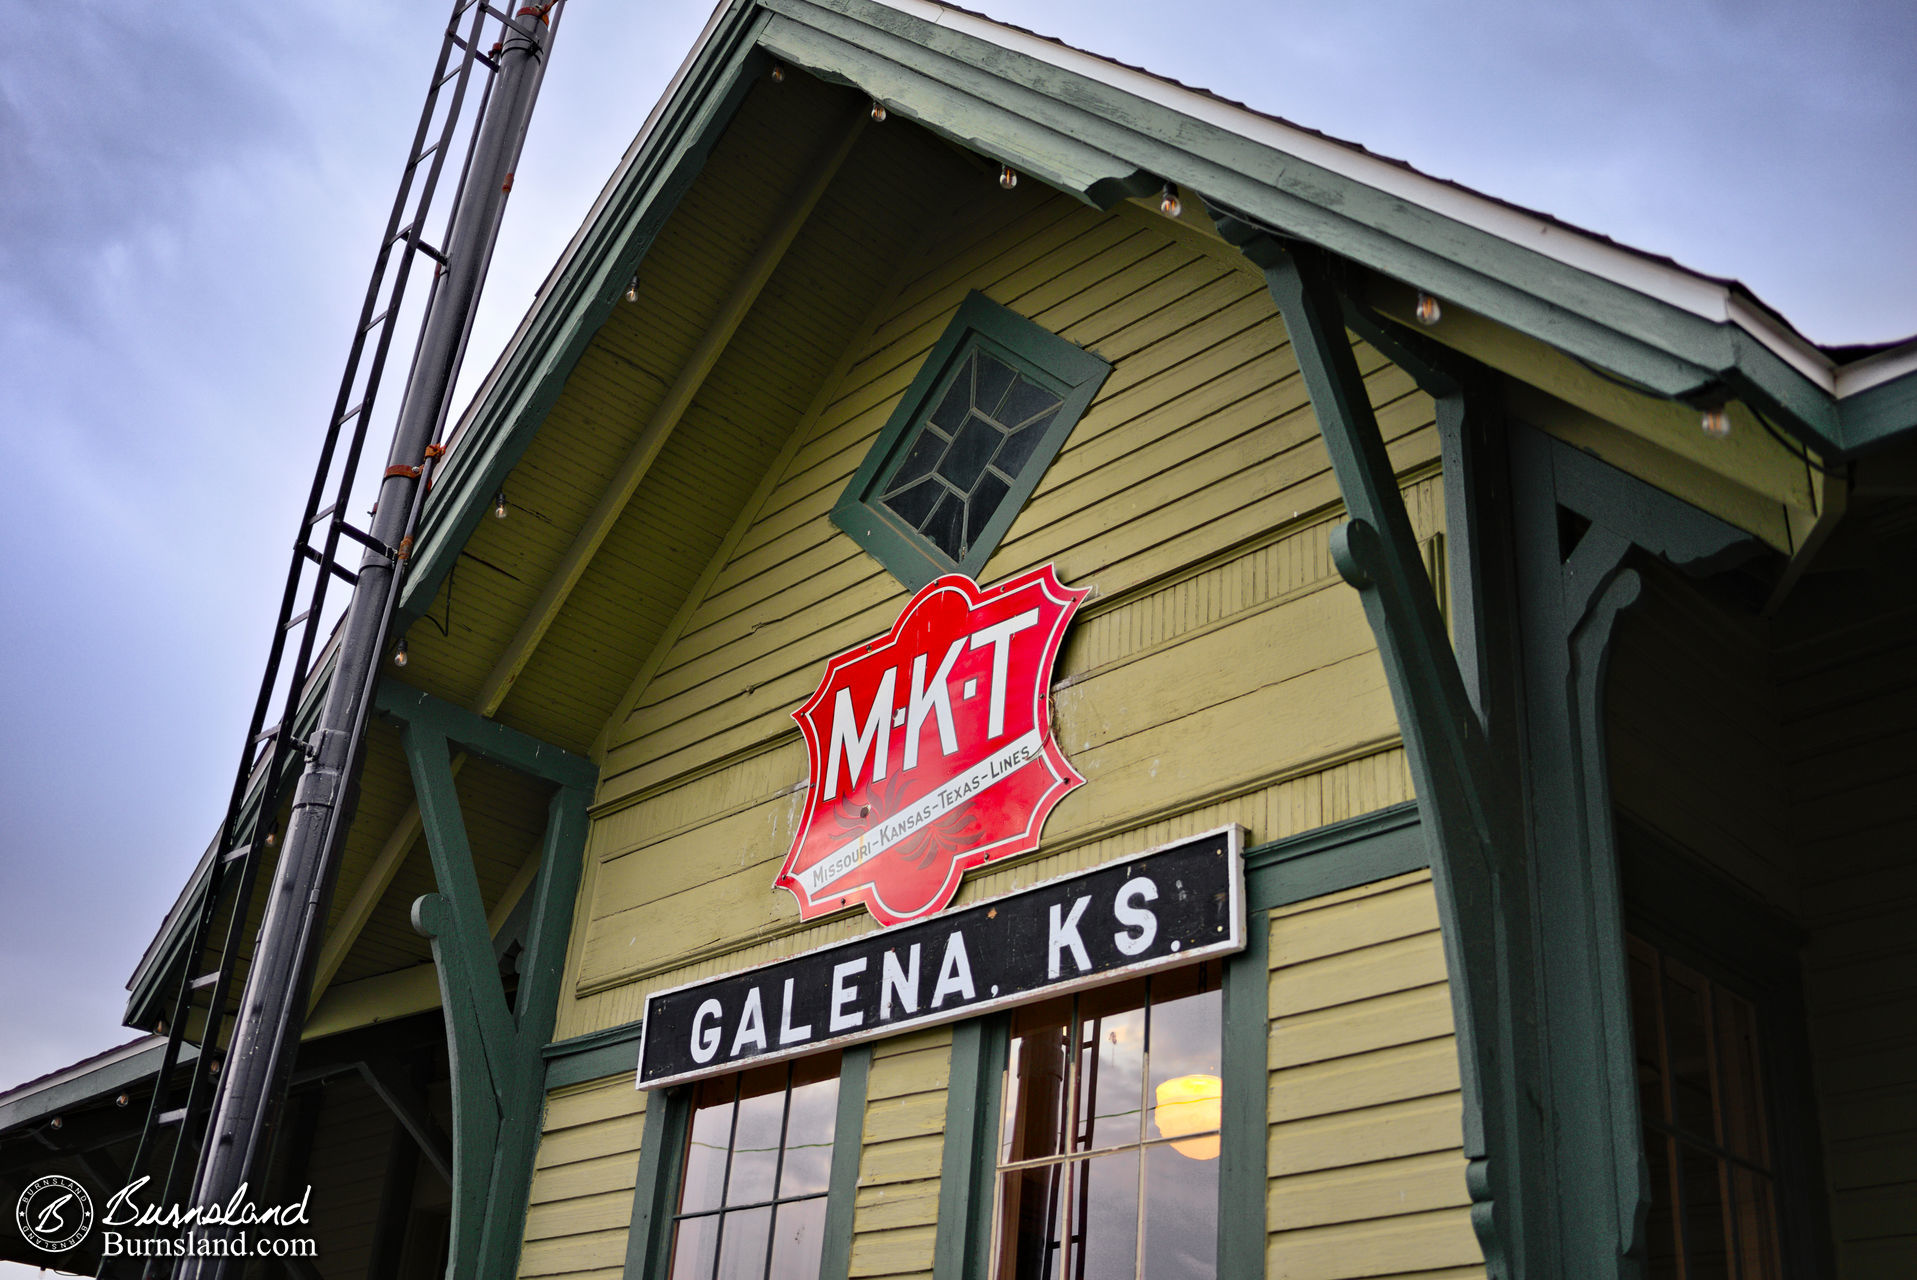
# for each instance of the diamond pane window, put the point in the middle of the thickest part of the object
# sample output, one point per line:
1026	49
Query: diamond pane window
967	443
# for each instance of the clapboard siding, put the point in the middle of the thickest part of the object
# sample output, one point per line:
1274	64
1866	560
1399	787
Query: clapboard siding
583	1176
1365	1150
1850	724
1221	680
895	1215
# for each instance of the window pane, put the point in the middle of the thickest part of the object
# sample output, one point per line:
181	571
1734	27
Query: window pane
798	1240
695	1241
985	499
1686	1031
994	377
1032	1222
1181	1216
1021	445
1105	1215
916	503
1112	1070
1661	1226
971	449
958	399
705	1172
755	1144
1035	1096
946	526
1186	1093
919	460
742	1247
1706	1253
1740	1091
1756	1214
1025	401
808	1138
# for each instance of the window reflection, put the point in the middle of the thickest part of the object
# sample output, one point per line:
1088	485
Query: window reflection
758	1161
1109	1134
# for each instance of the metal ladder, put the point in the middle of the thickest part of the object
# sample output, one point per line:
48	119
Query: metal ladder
272	751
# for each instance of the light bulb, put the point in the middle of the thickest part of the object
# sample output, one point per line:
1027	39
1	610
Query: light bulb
122	1100
272	838
1428	312
399	653
1170	205
1716	422
778	73
878	112
1008	177
632	290
499	505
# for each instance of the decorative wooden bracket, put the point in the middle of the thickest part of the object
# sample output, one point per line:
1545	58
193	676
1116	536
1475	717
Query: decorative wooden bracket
1476	863
494	1046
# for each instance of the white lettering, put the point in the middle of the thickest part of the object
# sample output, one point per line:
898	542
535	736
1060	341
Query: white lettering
789	1034
955	972
875	738
843	995
1135	917
935	700
895	978
1063	934
705	1039
751	1025
999	636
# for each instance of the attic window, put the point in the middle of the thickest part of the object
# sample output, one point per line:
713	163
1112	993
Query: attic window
968	443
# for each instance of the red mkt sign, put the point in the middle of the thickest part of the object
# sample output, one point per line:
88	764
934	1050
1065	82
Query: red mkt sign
931	749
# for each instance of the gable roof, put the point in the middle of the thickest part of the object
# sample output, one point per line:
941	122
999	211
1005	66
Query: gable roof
1104	131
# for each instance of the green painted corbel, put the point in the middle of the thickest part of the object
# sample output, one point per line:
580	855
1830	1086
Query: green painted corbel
1460	797
498	1073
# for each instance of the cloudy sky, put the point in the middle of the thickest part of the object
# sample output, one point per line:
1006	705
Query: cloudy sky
190	198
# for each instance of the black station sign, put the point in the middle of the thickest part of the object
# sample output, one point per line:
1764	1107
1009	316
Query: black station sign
1164	907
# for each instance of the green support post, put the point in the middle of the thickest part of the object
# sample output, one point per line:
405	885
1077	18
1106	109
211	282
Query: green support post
498	1071
1476	866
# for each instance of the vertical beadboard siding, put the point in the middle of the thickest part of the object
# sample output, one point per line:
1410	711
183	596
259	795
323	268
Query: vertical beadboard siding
1365	1156
1850	723
896	1212
582	1181
1695	746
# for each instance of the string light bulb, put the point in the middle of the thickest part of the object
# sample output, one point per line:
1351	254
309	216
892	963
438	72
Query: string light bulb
399	653
1428	310
272	838
878	112
778	73
499	505
1008	177
632	290
1169	204
1716	422
122	1100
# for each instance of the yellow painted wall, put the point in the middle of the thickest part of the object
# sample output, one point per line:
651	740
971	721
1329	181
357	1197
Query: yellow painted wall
1220	672
1366	1147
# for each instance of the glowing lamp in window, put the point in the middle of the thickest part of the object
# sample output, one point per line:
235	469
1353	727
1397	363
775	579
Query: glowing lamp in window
1189	1105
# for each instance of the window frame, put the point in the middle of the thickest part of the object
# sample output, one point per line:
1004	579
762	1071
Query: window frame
1067	369
662	1152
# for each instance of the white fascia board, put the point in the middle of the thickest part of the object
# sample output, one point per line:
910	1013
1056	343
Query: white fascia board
1666	283
1875	370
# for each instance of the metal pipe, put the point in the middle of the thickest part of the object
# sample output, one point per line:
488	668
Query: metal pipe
272	1007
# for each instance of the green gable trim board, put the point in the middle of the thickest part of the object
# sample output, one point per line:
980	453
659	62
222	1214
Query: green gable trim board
593	1056
983	339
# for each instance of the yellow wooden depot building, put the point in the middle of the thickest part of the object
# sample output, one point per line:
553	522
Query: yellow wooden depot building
1540	610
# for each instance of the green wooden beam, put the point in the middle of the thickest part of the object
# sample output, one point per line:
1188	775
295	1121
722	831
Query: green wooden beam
962	1247
1335	857
1476	866
409	707
848	1145
593	1056
498	1072
1242	1169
